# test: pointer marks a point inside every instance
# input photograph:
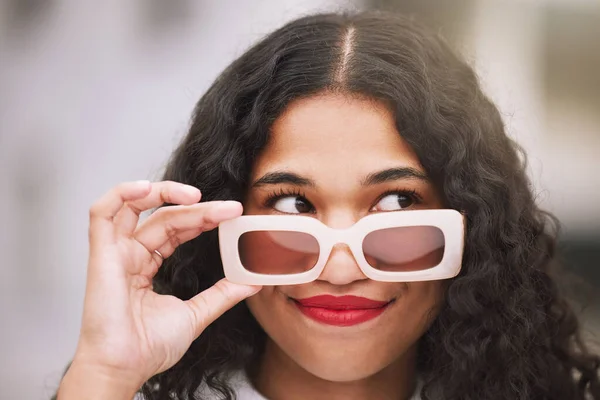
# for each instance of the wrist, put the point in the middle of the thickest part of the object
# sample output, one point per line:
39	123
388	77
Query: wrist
87	381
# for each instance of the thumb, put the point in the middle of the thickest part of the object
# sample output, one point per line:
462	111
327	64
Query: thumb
210	304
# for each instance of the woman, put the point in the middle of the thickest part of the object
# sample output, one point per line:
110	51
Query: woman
338	119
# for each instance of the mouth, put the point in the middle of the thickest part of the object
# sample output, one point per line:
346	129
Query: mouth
342	310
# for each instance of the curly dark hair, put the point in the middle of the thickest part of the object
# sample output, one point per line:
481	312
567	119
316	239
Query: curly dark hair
505	330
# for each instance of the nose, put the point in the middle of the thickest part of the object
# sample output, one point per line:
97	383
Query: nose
341	267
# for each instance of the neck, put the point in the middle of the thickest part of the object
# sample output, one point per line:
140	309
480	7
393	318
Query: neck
279	377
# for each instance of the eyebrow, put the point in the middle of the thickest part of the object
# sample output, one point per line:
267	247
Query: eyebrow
394	174
283	177
375	178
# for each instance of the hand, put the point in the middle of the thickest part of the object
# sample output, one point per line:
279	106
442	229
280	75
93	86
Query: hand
129	332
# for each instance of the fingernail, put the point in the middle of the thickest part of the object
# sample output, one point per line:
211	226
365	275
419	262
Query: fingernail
256	290
252	290
191	190
228	204
142	183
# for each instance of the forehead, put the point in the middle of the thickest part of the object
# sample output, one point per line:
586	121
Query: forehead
335	135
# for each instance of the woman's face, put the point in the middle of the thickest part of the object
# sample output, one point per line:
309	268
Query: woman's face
327	146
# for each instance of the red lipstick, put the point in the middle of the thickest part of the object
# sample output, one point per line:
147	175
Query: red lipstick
341	311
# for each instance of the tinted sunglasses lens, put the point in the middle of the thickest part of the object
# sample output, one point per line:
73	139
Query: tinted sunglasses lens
407	248
278	252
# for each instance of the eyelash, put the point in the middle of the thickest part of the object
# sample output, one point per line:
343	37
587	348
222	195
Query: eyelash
412	194
282	193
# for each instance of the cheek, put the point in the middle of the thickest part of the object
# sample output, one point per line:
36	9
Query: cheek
343	354
269	307
417	305
421	305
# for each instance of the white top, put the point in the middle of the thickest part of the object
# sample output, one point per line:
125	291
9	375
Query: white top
245	391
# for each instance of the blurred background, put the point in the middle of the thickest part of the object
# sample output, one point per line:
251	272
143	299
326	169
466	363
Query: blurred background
95	93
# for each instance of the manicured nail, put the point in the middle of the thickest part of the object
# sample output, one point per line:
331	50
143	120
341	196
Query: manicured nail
191	190
142	183
228	204
255	289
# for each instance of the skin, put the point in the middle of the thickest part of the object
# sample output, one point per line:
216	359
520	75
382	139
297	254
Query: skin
335	142
129	333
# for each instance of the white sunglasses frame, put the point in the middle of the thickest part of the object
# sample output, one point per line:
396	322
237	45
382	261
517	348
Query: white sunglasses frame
450	222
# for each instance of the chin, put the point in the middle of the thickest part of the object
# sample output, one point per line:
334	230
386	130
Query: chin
341	364
341	372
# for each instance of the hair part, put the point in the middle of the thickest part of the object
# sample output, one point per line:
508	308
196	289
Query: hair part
346	53
505	331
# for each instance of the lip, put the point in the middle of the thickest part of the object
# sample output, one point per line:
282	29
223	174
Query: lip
341	310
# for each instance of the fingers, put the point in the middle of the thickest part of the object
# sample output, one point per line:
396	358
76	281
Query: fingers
171	226
207	306
128	216
106	208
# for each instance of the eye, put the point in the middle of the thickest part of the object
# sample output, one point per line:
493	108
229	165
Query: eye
292	205
394	202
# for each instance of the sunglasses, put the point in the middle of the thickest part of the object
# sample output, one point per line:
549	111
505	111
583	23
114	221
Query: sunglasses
400	246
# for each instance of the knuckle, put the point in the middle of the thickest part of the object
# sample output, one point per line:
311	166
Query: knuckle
98	207
170	230
165	194
199	311
208	219
161	213
223	290
174	241
95	209
135	208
